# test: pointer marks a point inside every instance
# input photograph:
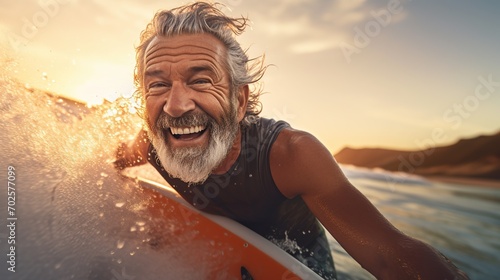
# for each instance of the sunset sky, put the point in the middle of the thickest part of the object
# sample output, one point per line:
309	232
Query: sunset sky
381	73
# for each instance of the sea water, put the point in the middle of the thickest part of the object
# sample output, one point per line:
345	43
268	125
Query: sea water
460	220
77	218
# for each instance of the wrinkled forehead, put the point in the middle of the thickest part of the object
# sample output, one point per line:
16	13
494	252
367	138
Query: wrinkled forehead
204	46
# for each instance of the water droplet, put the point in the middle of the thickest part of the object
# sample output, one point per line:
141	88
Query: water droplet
132	253
250	175
120	244
112	252
44	75
120	204
140	223
104	175
99	183
119	261
57	266
212	243
133	228
101	215
245	245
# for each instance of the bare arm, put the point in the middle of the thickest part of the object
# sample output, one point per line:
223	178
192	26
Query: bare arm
301	165
134	153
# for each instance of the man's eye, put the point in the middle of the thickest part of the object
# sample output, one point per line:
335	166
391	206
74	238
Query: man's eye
158	85
200	82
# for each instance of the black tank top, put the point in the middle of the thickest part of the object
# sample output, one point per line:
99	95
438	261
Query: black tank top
247	192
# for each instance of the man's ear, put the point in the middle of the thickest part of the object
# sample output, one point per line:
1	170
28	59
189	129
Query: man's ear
243	94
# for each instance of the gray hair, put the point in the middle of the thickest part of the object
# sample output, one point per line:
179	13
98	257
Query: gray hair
202	17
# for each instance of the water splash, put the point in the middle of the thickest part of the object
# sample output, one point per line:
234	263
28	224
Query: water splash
120	244
58	133
287	244
74	204
119	204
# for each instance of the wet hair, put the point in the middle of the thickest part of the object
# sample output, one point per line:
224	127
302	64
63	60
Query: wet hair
202	17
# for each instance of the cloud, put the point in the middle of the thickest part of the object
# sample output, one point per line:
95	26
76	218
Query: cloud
348	5
316	25
117	11
288	28
311	46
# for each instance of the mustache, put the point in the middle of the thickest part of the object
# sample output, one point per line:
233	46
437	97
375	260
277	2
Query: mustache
187	120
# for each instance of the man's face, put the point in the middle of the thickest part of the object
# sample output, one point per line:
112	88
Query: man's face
193	119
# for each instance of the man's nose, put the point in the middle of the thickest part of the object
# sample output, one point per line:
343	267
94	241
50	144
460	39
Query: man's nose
178	101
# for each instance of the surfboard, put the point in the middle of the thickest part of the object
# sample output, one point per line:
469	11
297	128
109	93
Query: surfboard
236	251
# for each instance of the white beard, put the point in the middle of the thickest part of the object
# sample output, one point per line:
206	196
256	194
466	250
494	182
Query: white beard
193	165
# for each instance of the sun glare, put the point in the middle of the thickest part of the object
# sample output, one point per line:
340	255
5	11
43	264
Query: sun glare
95	92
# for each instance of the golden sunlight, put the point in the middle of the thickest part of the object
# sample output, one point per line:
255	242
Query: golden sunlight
96	90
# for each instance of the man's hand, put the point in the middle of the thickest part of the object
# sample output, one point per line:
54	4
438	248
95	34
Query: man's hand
135	153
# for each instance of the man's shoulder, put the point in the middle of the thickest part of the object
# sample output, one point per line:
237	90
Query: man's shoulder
298	160
292	140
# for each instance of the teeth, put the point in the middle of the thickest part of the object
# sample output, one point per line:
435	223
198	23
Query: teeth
186	130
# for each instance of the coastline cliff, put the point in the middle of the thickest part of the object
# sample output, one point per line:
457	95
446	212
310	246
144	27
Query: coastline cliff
477	157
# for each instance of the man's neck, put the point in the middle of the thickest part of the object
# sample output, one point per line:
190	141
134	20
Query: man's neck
231	157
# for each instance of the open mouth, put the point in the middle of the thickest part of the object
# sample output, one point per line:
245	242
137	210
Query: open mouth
188	133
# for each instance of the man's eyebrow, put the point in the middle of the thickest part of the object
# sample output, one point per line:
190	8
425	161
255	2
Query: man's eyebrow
154	73
200	68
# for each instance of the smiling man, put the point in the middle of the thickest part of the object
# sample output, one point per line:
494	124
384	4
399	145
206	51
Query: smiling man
205	138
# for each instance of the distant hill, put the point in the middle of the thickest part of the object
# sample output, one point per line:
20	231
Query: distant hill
477	157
